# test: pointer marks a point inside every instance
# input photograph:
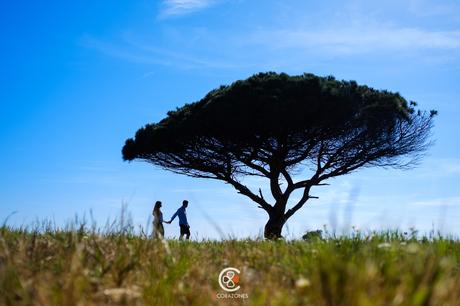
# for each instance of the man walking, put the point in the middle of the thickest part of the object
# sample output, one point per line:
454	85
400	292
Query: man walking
184	227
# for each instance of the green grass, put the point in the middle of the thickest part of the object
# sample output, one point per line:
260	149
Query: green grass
79	266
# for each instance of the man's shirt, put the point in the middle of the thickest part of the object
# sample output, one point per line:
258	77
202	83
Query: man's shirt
182	216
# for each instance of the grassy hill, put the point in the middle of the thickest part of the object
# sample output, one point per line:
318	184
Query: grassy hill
82	267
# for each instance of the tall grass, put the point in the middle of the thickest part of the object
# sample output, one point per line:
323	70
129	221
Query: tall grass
82	264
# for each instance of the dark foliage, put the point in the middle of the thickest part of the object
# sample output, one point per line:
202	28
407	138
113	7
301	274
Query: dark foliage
313	235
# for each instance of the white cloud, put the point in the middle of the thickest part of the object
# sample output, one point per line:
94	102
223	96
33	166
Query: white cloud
182	7
425	8
358	40
437	168
142	53
269	47
448	201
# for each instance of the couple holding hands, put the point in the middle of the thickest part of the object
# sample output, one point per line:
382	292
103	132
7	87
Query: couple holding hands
158	230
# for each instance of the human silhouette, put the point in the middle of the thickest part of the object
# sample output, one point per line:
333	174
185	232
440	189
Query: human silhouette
184	226
158	229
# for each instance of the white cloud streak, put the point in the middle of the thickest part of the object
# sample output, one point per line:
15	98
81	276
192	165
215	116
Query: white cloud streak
142	53
448	201
183	7
268	47
299	43
425	8
358	40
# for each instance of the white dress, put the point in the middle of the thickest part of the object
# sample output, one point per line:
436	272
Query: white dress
158	230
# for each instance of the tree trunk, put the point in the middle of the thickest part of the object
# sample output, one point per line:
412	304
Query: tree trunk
274	225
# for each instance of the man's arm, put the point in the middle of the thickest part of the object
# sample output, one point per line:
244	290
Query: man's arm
174	216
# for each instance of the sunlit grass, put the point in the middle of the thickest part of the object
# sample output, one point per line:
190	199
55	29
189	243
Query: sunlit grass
118	265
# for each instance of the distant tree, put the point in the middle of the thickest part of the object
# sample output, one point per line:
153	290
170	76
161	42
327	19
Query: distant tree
273	125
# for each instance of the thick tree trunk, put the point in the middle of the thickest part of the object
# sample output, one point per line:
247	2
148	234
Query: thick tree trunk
274	225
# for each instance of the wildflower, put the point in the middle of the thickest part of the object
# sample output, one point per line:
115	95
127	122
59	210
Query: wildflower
384	245
118	293
302	282
412	248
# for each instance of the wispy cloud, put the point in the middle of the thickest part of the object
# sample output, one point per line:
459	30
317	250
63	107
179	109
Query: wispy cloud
448	201
425	8
284	45
143	53
438	168
358	40
121	52
182	7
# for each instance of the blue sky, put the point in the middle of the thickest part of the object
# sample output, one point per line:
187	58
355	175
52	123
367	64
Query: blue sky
78	78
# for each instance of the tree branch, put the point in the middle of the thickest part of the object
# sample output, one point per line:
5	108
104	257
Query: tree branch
299	204
245	191
261	195
287	176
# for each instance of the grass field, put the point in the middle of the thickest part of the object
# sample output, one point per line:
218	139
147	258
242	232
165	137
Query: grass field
78	266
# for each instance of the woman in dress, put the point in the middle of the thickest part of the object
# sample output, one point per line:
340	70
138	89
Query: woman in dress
158	230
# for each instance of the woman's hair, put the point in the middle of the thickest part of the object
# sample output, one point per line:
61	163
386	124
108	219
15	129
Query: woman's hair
156	208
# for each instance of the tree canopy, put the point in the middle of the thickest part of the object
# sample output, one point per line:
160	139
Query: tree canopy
271	124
